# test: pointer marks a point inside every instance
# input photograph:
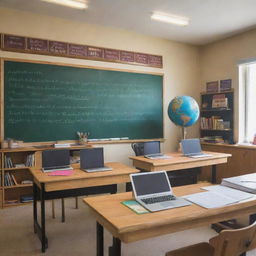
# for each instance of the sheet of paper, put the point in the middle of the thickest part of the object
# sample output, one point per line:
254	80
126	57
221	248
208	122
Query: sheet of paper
210	199
230	192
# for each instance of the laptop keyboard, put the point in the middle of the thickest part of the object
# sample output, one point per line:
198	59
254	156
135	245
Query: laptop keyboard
158	199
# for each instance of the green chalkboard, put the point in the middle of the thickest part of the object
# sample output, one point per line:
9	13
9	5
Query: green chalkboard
44	102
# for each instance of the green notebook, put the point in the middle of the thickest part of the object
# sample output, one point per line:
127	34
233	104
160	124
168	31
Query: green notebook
135	206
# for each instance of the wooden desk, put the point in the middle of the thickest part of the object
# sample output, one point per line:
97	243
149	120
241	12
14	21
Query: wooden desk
79	183
127	226
178	162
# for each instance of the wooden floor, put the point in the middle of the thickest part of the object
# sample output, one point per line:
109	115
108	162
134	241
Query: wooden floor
76	237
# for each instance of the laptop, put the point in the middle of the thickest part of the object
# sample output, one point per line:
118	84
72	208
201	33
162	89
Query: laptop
56	160
92	160
192	148
152	150
153	191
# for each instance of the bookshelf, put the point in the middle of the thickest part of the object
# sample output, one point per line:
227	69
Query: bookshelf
217	117
16	186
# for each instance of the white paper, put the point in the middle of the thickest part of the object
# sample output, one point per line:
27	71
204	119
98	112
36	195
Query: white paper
210	199
229	192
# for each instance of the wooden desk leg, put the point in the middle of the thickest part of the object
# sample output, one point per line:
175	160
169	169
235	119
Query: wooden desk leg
115	249
43	238
35	206
100	239
214	173
62	210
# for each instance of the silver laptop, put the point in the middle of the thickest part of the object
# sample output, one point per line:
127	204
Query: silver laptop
192	148
92	160
152	150
153	191
56	160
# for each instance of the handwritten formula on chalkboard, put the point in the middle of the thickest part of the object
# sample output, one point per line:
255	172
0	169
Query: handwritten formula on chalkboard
49	102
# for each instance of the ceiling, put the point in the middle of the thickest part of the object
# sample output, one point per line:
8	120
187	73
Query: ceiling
210	20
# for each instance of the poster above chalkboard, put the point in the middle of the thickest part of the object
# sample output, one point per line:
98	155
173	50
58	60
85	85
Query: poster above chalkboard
56	48
49	102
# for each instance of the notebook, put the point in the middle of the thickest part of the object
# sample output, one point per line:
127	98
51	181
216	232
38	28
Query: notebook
192	148
153	191
55	160
152	150
92	160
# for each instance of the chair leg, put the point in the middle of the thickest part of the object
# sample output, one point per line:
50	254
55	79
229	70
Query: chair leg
53	209
76	198
63	210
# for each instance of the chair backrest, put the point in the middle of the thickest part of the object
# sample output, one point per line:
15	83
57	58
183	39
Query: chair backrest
234	242
138	148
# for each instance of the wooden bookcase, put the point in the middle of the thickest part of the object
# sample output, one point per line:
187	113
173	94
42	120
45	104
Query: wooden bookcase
10	195
217	122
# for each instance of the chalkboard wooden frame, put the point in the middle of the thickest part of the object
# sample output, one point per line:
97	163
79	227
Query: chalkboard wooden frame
2	136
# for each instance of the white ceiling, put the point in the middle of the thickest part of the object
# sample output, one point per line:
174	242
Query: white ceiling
210	20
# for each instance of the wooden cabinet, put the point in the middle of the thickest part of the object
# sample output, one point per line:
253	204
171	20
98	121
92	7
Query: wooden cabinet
16	186
217	117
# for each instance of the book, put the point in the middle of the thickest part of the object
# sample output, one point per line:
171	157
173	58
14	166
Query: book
135	206
245	182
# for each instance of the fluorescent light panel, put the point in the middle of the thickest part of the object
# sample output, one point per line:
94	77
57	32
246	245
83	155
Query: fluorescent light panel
78	4
173	19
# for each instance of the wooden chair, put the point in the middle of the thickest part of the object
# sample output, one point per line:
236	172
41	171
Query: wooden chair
227	243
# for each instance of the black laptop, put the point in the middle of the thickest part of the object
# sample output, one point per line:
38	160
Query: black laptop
55	160
92	160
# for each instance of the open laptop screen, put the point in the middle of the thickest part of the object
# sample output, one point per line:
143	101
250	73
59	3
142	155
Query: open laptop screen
150	183
91	158
151	147
55	158
191	146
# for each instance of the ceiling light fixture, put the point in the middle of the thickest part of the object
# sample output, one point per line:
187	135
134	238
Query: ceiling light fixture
78	4
174	19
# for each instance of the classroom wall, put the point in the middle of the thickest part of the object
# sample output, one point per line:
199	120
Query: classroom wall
180	61
219	60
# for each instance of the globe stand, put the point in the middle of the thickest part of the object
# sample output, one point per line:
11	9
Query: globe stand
184	133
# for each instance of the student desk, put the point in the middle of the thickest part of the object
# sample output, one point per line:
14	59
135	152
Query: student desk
79	183
178	162
127	226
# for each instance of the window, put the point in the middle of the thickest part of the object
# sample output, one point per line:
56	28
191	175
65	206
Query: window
247	102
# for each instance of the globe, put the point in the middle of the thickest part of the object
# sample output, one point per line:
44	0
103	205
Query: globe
183	111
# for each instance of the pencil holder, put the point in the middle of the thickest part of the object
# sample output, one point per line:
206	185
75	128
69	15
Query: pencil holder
82	141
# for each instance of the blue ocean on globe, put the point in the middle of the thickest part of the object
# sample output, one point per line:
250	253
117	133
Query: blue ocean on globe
183	111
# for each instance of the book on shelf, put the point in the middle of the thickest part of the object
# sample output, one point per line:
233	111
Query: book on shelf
8	180
8	162
30	160
11	201
26	198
